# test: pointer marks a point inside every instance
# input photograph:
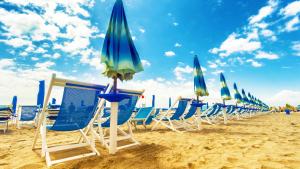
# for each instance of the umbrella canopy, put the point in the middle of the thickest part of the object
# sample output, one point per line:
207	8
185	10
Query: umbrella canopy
245	99
119	54
237	95
199	83
225	94
41	93
14	104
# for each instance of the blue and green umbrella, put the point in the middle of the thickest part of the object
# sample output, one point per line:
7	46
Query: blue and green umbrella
237	95
119	54
225	94
199	82
245	99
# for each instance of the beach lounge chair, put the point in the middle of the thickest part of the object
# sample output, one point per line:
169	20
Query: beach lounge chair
125	111
143	117
80	103
26	114
209	115
190	119
173	119
5	115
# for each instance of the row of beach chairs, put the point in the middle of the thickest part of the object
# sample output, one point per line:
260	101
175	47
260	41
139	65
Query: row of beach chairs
82	111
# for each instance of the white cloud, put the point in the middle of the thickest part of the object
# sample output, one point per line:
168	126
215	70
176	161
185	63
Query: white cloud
291	9
28	77
146	63
212	65
285	96
170	53
142	30
292	25
24	54
177	45
16	42
40	50
254	63
296	48
267	33
180	71
102	35
44	65
34	58
6	63
217	72
264	12
56	55
175	23
92	58
234	44
265	55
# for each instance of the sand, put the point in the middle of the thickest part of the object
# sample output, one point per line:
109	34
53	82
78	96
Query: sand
269	141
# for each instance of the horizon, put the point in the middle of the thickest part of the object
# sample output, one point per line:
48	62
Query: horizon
255	45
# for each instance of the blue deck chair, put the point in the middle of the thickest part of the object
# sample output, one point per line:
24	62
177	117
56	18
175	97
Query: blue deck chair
142	117
80	103
190	119
171	119
5	115
210	114
125	111
26	114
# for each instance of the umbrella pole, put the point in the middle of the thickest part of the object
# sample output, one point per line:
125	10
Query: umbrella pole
113	130
224	112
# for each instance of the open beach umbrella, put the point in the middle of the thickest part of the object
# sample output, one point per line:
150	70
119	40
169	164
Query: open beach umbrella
199	83
237	95
225	94
121	61
41	93
119	54
14	104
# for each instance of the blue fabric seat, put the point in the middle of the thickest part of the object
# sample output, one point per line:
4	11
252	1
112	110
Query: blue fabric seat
77	109
143	116
125	110
179	111
191	112
28	113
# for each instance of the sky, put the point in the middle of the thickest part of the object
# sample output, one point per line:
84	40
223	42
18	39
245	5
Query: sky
256	45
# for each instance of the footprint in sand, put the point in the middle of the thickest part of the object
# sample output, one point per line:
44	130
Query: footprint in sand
35	166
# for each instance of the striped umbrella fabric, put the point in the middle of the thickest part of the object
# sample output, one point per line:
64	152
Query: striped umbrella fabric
14	105
119	54
41	94
237	95
225	94
245	99
199	83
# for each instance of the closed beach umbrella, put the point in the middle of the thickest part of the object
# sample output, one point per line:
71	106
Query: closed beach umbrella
225	94
170	102
245	99
53	101
199	83
237	95
119	54
121	61
153	100
41	93
14	104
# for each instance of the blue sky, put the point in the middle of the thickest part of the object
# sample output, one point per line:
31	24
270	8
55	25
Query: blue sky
256	45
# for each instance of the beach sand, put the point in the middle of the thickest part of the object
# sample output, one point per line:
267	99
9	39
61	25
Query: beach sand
268	141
